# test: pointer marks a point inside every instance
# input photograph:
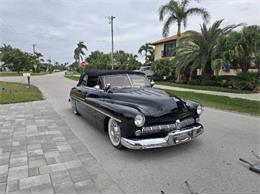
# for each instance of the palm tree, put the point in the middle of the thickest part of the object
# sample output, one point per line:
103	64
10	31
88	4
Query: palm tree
199	51
178	12
79	51
247	46
148	51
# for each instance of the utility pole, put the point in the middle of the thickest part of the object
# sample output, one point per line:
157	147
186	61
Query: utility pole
34	45
35	65
111	21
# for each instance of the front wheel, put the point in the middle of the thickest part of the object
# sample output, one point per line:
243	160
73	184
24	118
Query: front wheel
114	133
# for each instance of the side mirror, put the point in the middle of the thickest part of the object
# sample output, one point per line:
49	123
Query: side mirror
152	83
107	87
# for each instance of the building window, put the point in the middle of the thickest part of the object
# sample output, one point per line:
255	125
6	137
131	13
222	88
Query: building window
169	49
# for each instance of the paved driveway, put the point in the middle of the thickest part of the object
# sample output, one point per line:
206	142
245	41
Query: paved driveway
210	163
40	154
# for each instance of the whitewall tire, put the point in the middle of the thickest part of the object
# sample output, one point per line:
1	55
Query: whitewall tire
114	133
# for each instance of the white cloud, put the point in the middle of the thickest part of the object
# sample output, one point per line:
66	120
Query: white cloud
56	26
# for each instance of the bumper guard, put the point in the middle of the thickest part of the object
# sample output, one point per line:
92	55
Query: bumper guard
173	138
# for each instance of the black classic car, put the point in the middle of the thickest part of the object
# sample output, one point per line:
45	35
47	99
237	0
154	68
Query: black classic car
135	115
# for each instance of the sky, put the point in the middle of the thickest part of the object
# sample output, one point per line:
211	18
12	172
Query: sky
55	26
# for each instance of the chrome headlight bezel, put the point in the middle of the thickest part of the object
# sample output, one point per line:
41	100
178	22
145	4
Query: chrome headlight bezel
139	120
199	110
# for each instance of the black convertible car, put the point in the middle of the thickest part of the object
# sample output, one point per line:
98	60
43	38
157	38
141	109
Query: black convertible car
134	114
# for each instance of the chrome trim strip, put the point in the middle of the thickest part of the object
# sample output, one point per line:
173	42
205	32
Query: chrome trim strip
83	101
173	138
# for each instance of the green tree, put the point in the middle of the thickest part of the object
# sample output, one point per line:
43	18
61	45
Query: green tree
38	61
199	50
15	59
178	12
217	64
246	48
147	50
240	49
79	52
99	60
163	67
126	61
256	58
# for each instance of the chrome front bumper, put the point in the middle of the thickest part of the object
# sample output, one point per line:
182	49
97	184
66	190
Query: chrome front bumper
173	138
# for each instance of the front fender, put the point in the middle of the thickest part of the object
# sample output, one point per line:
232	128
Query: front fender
192	105
123	114
117	110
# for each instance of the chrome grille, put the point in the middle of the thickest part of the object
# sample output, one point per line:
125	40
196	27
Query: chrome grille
187	122
168	127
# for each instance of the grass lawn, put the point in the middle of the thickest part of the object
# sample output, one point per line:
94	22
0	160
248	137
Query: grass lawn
221	102
17	92
8	74
203	87
73	76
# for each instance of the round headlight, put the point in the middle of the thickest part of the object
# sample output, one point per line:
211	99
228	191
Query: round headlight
139	120
199	110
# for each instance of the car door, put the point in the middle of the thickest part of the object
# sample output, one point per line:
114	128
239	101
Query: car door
81	95
92	101
89	95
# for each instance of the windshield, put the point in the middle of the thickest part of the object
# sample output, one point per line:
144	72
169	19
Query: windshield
126	81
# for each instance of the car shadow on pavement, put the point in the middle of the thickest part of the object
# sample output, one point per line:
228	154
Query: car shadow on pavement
156	153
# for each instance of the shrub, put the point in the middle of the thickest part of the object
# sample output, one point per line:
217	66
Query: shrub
247	76
209	82
245	81
243	85
163	67
194	82
226	77
224	83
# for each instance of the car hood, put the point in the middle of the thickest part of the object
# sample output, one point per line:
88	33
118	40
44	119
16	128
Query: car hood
149	101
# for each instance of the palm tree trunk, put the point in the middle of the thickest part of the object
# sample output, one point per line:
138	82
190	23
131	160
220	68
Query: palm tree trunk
178	34
191	74
177	44
145	56
244	65
207	72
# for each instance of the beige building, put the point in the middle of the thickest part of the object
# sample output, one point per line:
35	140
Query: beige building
164	48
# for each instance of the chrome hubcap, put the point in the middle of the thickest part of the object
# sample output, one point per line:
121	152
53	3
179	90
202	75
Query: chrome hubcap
114	132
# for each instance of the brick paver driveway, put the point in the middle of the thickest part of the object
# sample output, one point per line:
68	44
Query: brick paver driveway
40	154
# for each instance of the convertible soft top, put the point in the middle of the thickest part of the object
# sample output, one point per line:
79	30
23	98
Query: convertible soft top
97	73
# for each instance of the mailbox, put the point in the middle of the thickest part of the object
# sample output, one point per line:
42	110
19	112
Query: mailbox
28	75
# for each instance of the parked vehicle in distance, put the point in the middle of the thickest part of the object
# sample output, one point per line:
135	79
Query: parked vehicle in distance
134	114
147	70
56	70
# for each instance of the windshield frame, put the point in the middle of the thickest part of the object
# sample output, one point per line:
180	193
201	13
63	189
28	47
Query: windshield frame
129	79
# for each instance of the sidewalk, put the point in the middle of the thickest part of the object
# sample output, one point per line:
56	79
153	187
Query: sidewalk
254	96
40	154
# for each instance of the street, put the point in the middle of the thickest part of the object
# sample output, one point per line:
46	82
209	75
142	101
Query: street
210	163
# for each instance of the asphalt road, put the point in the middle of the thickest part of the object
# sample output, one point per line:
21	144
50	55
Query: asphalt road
209	163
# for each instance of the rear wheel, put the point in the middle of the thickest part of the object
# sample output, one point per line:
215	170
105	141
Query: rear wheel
114	133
